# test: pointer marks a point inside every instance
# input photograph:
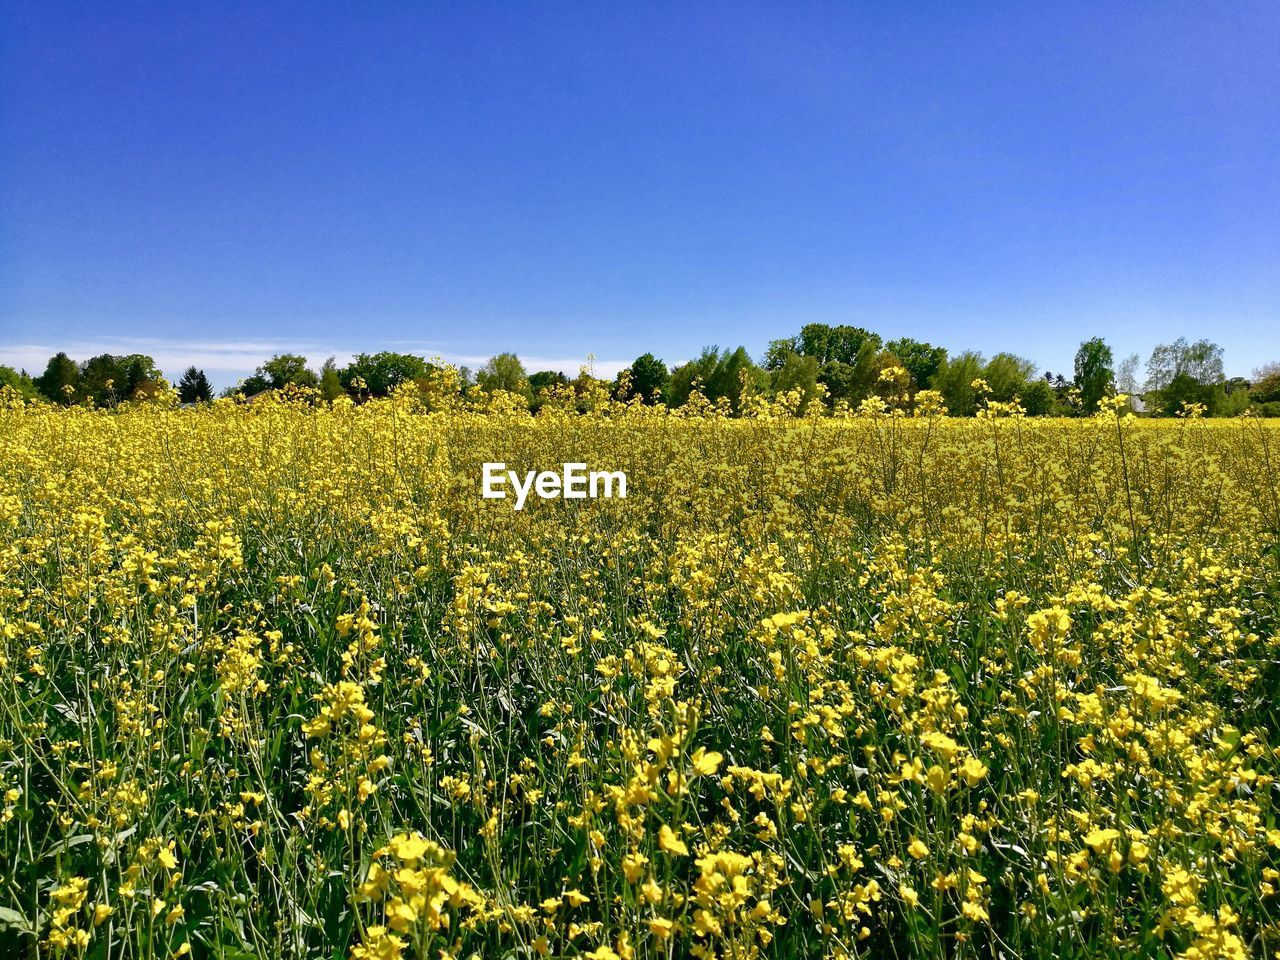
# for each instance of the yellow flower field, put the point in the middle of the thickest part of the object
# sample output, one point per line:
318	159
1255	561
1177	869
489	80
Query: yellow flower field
275	681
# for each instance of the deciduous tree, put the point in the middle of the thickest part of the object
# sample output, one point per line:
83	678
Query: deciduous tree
1094	375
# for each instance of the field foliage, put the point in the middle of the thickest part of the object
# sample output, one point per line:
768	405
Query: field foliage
276	682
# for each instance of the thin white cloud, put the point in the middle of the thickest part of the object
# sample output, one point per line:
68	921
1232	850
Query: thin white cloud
227	361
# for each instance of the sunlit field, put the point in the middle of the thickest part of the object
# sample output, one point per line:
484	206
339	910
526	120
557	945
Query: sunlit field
275	681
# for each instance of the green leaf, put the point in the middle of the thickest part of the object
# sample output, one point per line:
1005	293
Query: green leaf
12	918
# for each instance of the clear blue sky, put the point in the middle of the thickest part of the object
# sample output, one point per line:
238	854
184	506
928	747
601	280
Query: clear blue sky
215	182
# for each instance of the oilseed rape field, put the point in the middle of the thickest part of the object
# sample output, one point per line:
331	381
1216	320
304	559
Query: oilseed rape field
277	681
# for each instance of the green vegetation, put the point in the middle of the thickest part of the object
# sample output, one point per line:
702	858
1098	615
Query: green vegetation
836	366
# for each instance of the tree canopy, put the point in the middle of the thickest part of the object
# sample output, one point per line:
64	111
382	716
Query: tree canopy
504	372
194	387
836	365
1094	373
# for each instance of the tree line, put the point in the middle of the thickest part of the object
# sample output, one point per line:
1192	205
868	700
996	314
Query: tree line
828	364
